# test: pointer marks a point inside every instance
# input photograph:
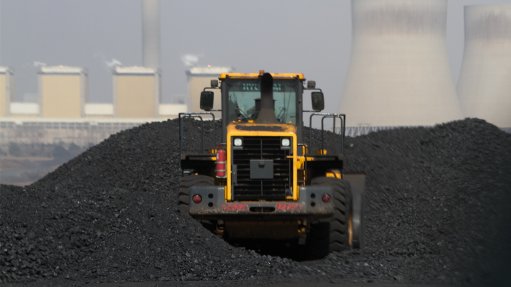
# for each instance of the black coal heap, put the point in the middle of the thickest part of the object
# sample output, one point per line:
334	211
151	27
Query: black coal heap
437	210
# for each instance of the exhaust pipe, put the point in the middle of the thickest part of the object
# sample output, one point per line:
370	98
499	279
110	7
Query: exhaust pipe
266	113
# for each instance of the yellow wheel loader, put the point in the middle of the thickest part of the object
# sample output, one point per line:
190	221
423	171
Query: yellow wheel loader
265	176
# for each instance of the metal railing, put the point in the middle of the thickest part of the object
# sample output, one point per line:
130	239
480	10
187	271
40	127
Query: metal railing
337	129
186	144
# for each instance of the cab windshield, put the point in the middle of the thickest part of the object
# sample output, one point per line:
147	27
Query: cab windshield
243	96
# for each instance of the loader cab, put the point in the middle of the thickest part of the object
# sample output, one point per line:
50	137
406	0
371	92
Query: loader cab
241	98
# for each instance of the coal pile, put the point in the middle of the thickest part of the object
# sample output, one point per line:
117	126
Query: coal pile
437	203
436	211
111	214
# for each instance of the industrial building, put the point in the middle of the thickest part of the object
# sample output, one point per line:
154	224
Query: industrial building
484	86
136	92
105	111
62	91
5	90
200	78
19	110
99	110
399	73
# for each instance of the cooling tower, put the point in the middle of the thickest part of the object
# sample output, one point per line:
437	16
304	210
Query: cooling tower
5	91
136	91
399	73
484	86
151	33
62	91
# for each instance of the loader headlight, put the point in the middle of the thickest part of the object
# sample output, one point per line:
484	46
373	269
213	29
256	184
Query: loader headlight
237	142
285	143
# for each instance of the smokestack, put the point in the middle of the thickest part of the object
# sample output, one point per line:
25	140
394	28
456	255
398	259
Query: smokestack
484	86
1	33
399	73
266	113
151	33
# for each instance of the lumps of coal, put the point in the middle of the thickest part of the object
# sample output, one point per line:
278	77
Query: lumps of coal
435	210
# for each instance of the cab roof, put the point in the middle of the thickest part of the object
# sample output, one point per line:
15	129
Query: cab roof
281	76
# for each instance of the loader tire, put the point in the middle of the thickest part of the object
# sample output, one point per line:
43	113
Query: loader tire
334	233
184	189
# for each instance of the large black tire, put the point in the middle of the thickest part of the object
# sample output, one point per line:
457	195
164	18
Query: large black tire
357	182
334	233
184	189
356	218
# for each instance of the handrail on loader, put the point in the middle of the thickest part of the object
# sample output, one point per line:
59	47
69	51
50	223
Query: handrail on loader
334	117
199	116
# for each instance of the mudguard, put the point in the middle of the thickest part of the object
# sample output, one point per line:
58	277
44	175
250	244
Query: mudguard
357	182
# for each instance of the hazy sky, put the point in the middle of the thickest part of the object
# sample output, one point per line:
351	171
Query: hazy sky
313	37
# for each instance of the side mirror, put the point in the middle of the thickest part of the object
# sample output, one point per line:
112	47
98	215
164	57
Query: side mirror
318	101
206	100
214	83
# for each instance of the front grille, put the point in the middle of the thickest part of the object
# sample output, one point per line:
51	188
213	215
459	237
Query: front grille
246	188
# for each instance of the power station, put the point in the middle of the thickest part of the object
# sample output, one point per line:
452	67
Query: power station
399	73
63	93
484	85
63	90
